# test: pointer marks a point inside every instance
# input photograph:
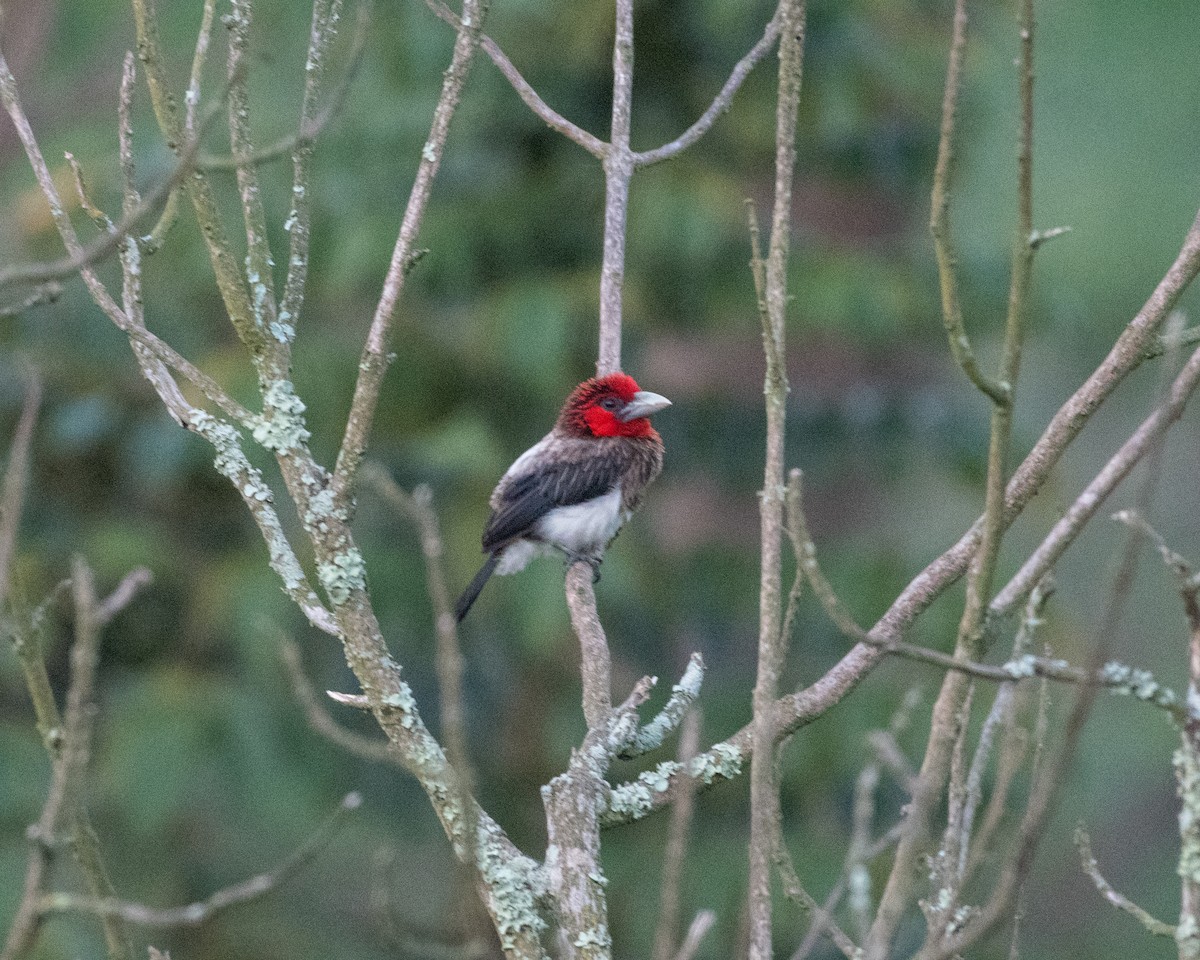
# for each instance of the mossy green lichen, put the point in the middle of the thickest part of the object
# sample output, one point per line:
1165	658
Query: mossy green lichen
513	887
1187	785
342	574
281	427
724	761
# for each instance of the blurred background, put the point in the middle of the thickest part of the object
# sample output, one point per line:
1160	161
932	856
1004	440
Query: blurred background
205	771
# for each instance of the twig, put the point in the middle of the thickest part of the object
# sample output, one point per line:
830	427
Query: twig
376	357
78	727
530	97
45	293
230	280
1143	440
618	171
697	931
1088	862
418	507
939	219
999	717
367	748
969	643
195	914
1049	772
653	734
81	258
815	931
797	894
312	126
12	492
324	19
720	103
666	931
595	660
191	98
124	594
272	350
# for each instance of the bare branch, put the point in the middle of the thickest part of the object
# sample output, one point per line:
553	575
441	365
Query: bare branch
324	19
618	171
720	103
80	258
797	894
652	735
260	278
595	660
698	930
376	356
195	914
191	98
1089	865
45	293
1141	442
676	850
12	493
766	842
551	117
939	219
322	722
129	587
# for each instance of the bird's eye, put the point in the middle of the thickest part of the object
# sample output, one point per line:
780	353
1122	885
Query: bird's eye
609	403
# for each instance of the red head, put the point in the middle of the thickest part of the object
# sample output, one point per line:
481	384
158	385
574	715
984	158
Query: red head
612	406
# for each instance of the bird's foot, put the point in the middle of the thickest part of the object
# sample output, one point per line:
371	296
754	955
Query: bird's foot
591	561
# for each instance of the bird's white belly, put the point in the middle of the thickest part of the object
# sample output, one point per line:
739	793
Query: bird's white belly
582	528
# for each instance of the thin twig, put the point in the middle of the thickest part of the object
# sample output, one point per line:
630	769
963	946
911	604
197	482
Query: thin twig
722	100
939	219
652	735
367	748
376	355
883	844
1000	717
969	644
618	172
675	854
81	258
797	894
697	931
418	507
531	98
1087	861
195	914
45	293
78	728
259	263
12	493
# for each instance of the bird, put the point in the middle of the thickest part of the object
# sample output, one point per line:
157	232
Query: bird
573	490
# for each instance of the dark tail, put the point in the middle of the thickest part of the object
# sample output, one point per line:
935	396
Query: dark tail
471	594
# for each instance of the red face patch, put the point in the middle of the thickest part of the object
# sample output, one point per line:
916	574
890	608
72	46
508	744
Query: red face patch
592	408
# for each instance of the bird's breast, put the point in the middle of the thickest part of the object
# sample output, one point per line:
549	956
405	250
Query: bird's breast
584	528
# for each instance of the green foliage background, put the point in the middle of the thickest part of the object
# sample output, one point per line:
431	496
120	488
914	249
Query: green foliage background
205	771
